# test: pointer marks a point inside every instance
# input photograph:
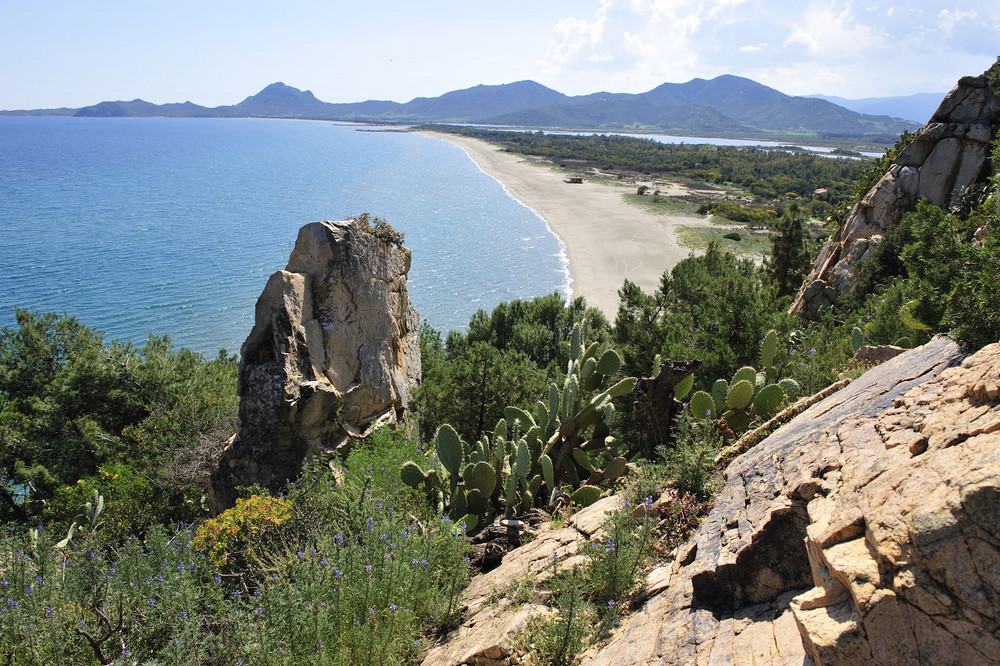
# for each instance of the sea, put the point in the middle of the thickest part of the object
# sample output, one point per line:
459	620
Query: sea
172	226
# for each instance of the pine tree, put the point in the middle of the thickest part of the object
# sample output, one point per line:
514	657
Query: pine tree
789	256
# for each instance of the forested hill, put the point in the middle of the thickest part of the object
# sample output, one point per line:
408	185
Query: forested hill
724	105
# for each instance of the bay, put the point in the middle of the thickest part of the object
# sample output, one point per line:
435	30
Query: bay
161	226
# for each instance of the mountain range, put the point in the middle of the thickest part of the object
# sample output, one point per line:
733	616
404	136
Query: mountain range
917	107
725	105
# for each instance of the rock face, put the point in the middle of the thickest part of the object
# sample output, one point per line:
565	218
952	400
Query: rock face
950	153
333	350
865	530
905	545
494	619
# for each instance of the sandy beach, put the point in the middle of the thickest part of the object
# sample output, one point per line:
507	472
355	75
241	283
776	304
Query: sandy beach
607	239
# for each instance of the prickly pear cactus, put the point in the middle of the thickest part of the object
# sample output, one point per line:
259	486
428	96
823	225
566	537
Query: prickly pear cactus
857	339
553	445
703	406
751	395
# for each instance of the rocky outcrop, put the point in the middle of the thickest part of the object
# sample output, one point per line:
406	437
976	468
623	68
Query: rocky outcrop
863	531
950	153
333	350
498	605
905	545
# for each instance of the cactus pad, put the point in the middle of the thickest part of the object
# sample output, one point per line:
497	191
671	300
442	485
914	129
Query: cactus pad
449	448
614	468
719	390
790	388
768	401
746	372
702	406
583	460
522	464
684	387
857	339
586	495
519	417
547	473
740	394
610	363
768	348
484	479
624	387
411	474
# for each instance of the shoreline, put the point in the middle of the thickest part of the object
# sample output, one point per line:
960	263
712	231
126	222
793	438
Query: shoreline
607	239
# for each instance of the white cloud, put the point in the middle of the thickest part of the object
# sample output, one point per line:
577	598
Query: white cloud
831	46
832	31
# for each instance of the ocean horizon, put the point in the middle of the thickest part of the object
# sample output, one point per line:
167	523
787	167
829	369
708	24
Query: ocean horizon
139	226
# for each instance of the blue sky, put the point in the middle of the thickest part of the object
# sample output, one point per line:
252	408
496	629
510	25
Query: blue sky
212	52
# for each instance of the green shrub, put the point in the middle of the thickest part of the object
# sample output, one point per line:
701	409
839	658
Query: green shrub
335	571
690	463
379	228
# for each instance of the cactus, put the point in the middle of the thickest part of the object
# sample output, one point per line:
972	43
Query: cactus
857	339
547	472
744	373
719	390
740	393
768	401
411	474
790	387
684	387
703	406
585	495
750	394
768	348
449	448
484	479
88	519
556	444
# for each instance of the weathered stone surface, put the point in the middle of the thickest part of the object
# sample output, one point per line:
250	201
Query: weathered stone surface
950	153
333	350
905	544
870	355
494	617
728	593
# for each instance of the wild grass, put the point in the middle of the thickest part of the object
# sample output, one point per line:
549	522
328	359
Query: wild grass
326	573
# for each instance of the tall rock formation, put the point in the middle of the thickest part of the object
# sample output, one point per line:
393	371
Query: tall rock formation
333	351
950	153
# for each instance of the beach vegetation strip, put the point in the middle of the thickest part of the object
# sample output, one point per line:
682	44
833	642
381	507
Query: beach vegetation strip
766	174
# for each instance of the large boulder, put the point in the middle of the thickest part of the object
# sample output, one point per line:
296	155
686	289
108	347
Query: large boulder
863	531
333	352
949	154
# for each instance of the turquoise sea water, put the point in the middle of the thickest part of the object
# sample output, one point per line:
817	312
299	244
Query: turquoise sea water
172	226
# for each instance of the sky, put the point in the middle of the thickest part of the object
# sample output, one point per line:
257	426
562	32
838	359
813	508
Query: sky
57	53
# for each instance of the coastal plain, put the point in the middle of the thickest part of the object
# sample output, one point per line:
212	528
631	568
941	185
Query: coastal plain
608	240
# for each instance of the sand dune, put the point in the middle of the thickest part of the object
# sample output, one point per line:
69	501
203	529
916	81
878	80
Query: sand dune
607	239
